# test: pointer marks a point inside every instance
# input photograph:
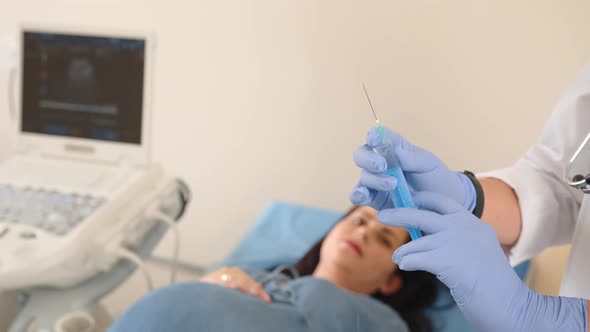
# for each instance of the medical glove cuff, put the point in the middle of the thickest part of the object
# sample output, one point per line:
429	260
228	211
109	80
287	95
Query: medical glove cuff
473	193
551	313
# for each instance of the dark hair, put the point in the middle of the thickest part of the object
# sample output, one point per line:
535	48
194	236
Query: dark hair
418	291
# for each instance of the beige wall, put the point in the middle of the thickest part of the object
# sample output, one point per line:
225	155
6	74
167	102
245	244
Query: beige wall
547	269
260	99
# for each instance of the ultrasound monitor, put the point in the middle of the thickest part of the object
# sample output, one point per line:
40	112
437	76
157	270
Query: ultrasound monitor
83	86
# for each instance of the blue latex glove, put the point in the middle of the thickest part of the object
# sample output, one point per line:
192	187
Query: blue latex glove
423	172
465	255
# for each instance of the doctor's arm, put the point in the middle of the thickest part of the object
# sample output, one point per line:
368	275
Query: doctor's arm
532	207
465	255
501	211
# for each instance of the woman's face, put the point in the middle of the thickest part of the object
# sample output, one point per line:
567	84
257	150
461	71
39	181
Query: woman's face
357	252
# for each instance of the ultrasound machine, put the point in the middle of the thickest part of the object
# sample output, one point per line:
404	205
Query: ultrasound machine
81	202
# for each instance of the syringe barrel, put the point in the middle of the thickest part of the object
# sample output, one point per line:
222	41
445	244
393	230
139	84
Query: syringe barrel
401	195
386	150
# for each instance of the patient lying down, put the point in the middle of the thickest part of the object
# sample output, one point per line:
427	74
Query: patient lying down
346	282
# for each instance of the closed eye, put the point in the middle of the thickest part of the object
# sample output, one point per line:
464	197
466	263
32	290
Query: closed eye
359	221
386	241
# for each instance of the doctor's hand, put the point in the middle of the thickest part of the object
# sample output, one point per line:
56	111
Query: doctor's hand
233	277
423	171
465	255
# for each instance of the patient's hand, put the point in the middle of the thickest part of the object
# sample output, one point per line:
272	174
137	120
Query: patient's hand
233	277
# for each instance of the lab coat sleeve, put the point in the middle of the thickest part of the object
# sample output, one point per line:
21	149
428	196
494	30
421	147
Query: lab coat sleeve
549	207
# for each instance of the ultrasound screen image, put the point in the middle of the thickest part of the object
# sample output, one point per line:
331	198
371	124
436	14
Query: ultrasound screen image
83	86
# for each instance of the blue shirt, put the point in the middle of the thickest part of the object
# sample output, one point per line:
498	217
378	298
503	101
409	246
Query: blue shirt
298	304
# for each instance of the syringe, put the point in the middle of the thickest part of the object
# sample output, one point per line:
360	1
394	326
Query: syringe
401	196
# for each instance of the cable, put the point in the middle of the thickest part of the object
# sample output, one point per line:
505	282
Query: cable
124	253
182	265
176	234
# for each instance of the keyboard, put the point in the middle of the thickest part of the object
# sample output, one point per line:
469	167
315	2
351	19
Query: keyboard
54	212
59	235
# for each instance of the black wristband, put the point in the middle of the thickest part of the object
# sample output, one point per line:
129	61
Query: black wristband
479	198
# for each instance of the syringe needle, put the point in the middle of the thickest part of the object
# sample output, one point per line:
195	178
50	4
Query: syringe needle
380	129
370	104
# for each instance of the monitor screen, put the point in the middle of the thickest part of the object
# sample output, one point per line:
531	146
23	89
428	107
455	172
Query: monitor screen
83	86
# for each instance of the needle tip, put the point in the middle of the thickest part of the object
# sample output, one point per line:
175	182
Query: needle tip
369	100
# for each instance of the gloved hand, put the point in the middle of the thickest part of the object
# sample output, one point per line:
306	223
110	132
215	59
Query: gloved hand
465	255
423	171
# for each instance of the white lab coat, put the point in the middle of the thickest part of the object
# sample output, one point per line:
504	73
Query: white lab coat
549	207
